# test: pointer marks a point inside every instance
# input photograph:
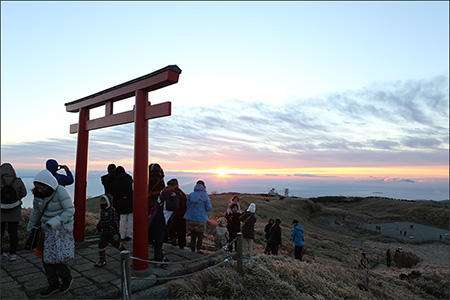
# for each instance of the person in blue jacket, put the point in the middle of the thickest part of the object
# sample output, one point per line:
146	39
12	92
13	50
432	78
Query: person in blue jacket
297	233
197	205
53	166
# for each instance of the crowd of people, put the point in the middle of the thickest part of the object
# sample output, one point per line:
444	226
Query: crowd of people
172	217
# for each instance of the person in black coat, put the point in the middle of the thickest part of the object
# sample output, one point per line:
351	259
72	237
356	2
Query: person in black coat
275	237
161	221
234	224
248	228
107	179
178	229
267	229
123	202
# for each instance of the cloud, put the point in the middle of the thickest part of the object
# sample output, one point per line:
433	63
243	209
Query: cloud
315	176
385	124
399	180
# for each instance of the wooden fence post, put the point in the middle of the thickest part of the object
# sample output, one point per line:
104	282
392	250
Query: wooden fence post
239	253
125	274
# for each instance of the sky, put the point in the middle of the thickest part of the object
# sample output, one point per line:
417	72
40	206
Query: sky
318	91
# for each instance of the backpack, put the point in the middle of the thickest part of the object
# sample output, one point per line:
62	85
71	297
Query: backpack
10	199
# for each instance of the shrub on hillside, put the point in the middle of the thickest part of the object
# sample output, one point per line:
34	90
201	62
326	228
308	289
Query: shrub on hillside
405	259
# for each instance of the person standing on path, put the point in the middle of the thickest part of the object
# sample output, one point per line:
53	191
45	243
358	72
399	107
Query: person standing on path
267	229
161	221
11	213
177	232
107	179
297	233
53	166
248	228
234	225
57	216
388	258
197	205
123	202
275	237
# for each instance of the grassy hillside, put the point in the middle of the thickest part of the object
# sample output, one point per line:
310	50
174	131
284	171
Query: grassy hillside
330	267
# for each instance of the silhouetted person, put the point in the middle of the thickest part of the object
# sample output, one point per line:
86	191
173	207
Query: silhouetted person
123	202
388	257
107	179
275	237
267	229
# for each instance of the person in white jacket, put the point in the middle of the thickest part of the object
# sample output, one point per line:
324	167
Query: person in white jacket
58	213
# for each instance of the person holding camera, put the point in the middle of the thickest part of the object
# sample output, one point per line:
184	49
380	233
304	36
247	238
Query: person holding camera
53	166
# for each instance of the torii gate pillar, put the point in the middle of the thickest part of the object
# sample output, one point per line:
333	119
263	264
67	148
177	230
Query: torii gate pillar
142	112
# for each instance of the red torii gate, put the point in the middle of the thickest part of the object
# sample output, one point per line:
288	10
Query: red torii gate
140	114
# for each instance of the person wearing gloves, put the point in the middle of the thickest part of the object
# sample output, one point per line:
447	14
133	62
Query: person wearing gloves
197	205
248	228
57	216
53	166
297	234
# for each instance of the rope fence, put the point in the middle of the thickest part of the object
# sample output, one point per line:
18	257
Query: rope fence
125	257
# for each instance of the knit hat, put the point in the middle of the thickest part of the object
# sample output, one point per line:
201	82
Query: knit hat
222	222
252	208
45	177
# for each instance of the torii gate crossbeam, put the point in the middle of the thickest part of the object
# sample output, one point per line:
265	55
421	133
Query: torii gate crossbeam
140	114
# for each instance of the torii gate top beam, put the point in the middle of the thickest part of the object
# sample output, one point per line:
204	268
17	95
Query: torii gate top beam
150	82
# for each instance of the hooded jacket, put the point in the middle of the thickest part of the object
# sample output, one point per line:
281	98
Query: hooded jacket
60	209
8	173
297	233
108	219
52	166
198	204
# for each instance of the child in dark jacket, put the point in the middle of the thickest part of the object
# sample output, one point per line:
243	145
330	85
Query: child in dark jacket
248	228
110	229
234	224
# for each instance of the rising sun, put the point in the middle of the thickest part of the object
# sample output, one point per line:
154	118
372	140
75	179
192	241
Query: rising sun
222	172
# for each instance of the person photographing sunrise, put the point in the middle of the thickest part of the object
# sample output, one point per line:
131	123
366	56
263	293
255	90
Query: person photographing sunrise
53	166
